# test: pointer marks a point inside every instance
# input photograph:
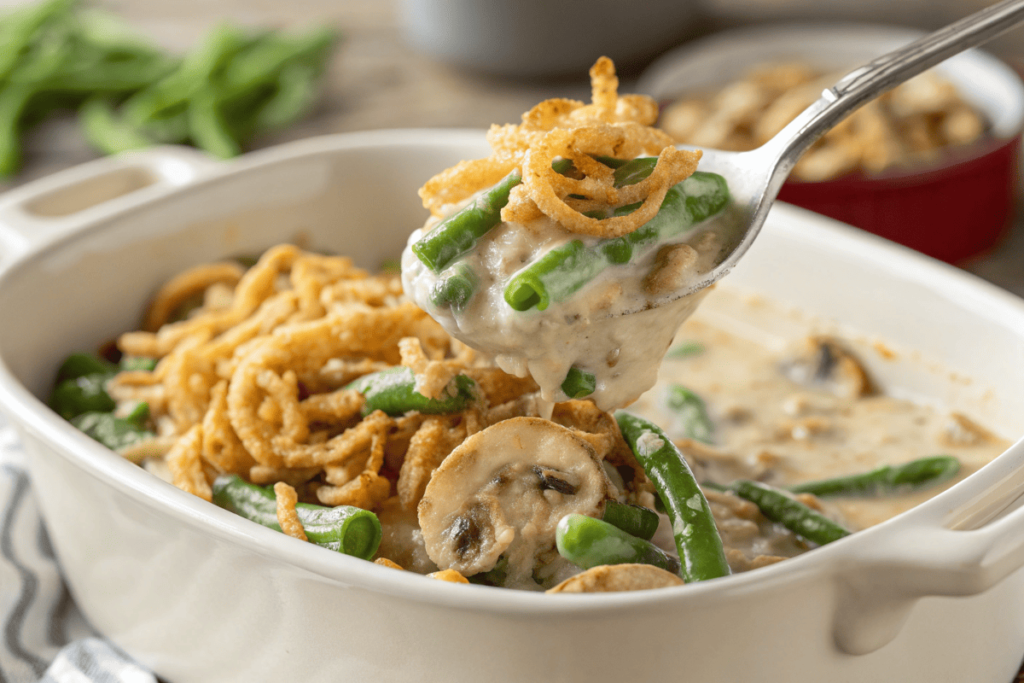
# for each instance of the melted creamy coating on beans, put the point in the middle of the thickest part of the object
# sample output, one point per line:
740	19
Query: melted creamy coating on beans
799	413
587	329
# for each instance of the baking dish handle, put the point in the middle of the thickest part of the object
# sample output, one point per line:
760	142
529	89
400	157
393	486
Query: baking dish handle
45	209
942	553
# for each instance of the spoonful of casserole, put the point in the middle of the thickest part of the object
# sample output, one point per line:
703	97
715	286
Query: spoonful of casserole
577	248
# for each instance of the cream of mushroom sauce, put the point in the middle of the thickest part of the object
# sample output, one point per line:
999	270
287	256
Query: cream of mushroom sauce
770	428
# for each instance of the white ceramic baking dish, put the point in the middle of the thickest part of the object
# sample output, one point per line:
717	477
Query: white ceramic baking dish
200	595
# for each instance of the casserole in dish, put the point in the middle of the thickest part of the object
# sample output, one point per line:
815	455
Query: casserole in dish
198	594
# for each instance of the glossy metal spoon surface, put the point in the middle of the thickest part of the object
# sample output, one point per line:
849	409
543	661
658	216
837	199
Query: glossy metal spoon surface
755	177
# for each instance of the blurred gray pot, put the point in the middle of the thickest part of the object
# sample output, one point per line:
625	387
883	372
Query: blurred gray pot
529	38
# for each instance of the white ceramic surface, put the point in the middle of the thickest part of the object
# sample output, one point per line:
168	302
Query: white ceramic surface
200	595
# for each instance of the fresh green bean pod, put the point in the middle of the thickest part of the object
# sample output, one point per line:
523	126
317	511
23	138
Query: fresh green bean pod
635	520
85	394
693	525
886	480
394	392
106	131
20	28
562	271
454	288
589	542
344	529
208	127
115	432
780	507
579	383
691	413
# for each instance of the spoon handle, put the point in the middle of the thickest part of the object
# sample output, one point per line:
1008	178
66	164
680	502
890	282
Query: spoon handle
886	72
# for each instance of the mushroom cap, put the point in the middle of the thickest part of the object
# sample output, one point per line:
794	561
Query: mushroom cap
611	578
504	489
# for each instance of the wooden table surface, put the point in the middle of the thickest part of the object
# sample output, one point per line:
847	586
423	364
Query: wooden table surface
376	81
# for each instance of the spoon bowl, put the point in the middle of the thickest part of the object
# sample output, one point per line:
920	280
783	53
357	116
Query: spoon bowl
755	177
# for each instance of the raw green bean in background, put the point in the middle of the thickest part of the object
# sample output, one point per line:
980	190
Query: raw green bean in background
589	542
578	383
635	520
394	392
57	55
562	271
454	288
693	526
115	432
886	480
690	412
780	506
345	529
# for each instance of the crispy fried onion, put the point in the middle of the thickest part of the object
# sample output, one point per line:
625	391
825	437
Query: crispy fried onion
611	125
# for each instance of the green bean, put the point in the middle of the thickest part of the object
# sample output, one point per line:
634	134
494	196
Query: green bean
579	383
459	233
589	542
294	95
83	394
14	99
20	28
261	62
106	131
344	529
113	432
693	525
80	364
634	170
685	349
565	269
137	363
886	480
691	413
635	520
208	127
394	391
454	288
780	507
194	73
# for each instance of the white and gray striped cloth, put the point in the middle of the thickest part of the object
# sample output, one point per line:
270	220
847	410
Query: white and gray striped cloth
44	636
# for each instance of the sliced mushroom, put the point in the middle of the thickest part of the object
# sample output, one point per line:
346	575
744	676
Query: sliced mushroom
611	578
503	490
822	363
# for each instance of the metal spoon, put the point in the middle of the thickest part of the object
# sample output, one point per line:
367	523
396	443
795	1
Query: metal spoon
755	177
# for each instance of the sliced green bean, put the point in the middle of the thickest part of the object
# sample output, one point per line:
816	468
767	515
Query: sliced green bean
562	271
690	412
344	529
886	480
136	363
454	288
579	383
83	394
115	432
459	233
589	542
80	364
635	520
781	507
693	525
394	391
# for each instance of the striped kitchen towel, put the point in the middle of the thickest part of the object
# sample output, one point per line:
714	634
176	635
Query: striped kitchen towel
45	637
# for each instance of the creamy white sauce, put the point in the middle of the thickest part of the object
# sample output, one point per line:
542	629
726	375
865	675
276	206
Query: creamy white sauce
607	328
